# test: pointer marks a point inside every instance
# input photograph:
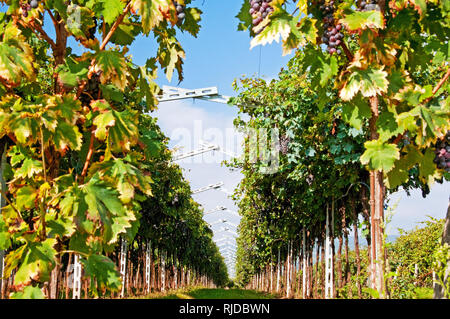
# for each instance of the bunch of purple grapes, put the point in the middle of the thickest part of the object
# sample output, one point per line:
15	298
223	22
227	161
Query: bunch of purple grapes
259	10
368	5
27	6
332	35
442	152
180	11
284	144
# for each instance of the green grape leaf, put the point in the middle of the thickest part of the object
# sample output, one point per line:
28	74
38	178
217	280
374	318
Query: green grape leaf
67	135
363	20
400	173
37	263
110	92
151	141
114	68
435	123
192	20
124	176
119	127
25	197
109	9
151	12
5	236
79	20
16	57
103	270
380	155
29	292
245	19
72	72
29	168
329	70
356	112
369	82
387	126
279	25
125	34
104	205
170	53
427	167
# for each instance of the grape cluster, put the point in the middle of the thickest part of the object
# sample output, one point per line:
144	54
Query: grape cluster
332	35
27	6
368	5
259	10
442	152
180	11
92	88
91	31
284	144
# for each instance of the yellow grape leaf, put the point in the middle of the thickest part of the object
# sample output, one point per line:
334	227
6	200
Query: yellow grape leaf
16	58
151	12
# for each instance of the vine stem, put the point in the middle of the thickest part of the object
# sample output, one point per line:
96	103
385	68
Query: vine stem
43	154
10	203
89	155
115	26
438	86
35	26
347	51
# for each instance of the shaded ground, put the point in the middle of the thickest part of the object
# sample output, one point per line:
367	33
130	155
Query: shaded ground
204	293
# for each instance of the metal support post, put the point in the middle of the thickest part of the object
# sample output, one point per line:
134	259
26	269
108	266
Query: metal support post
163	271
329	274
76	292
148	261
2	203
123	266
304	264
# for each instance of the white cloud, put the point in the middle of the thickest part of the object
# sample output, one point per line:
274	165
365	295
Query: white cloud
411	210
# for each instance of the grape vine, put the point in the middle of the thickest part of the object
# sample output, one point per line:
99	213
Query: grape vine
180	11
259	10
442	152
332	35
392	86
81	159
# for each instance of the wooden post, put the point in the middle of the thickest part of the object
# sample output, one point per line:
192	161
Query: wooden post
2	204
278	271
304	264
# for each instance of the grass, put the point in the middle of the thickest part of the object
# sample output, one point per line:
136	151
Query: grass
423	293
205	293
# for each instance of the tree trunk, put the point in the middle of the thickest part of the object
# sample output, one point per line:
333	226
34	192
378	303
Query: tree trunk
339	263
376	212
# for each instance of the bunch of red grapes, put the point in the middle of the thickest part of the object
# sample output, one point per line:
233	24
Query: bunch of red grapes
284	144
332	35
442	152
368	5
27	6
259	10
180	11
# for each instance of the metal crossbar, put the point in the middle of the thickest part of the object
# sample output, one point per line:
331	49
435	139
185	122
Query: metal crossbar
210	94
211	186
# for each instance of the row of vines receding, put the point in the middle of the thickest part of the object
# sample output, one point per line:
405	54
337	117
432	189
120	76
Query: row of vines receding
362	110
